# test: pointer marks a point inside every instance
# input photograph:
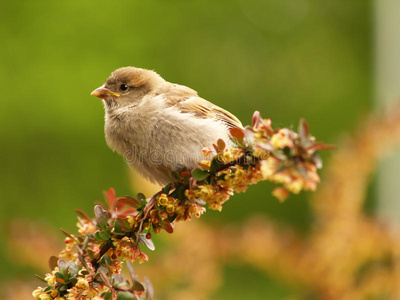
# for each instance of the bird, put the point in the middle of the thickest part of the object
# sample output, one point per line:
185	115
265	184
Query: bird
157	125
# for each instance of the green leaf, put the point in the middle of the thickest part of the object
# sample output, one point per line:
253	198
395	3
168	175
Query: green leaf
124	224
107	259
73	268
181	193
200	174
107	296
141	197
288	152
59	275
117	227
215	164
167	188
98	237
85	242
137	286
105	235
62	265
74	280
125	296
103	274
90	253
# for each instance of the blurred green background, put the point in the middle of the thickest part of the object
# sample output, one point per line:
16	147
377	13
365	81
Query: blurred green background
288	59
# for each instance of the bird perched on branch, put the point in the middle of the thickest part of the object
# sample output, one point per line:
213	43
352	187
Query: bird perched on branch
155	124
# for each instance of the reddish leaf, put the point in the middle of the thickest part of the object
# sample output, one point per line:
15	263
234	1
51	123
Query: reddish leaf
185	174
149	289
168	227
166	172
192	182
41	278
84	263
124	224
131	270
110	198
82	214
256	118
249	134
137	286
129	201
238	135
221	145
303	129
266	146
53	262
69	235
321	146
149	206
204	166
60	280
103	273
215	148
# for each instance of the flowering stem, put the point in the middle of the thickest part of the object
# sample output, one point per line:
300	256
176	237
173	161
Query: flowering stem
261	153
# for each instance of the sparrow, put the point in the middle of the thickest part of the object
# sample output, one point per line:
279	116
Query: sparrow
157	125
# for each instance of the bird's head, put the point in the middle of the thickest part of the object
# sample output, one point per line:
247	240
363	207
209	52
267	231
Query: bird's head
127	86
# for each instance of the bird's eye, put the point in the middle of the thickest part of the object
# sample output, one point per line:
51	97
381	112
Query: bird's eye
123	87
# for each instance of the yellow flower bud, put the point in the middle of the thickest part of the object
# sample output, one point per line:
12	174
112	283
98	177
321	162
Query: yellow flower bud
162	200
163	215
51	279
170	209
37	292
82	284
45	297
295	186
215	206
280	193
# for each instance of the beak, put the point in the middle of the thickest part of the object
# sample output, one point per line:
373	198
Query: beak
104	93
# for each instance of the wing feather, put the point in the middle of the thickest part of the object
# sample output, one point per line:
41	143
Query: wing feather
187	101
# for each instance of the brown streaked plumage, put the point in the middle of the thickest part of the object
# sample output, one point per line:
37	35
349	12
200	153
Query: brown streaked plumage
153	123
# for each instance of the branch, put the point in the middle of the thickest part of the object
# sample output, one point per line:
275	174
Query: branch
117	232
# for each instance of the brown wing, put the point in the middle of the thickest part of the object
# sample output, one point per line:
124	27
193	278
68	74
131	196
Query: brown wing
187	101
